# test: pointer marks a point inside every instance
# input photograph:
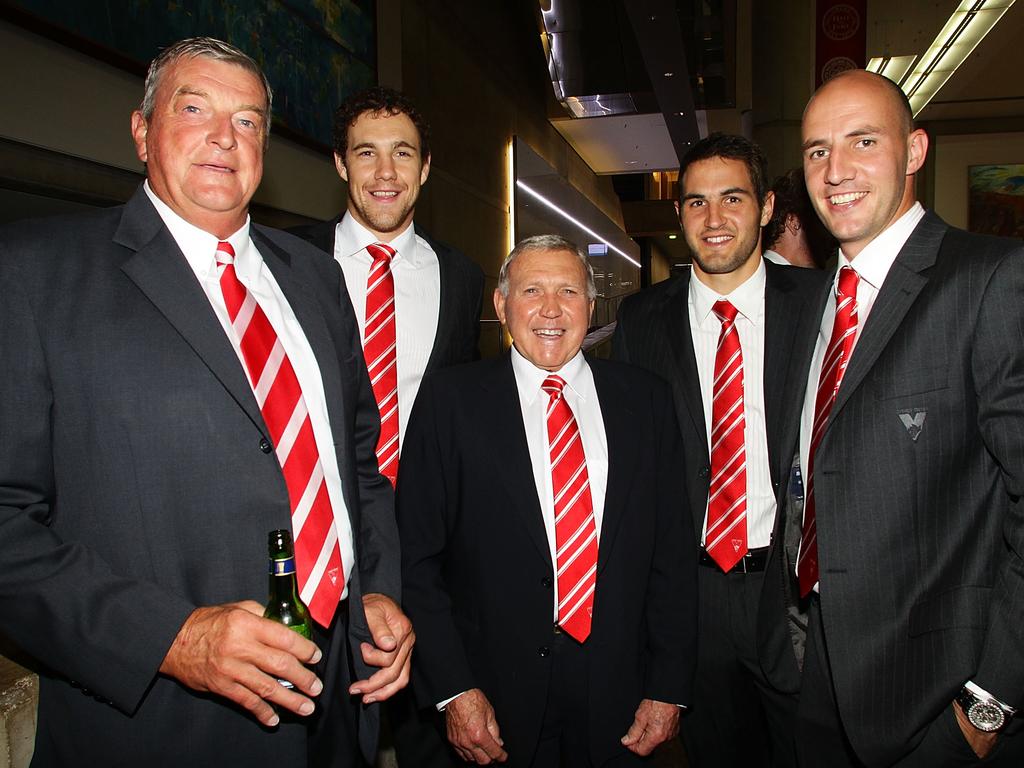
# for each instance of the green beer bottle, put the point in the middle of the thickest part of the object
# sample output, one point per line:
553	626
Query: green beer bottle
284	604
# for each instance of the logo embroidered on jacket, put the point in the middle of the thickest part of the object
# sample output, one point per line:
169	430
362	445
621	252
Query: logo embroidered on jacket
914	422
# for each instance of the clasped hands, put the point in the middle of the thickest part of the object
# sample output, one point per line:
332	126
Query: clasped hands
232	651
474	733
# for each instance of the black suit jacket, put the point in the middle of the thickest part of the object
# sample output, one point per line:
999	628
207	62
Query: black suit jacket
462	288
137	482
477	572
918	484
653	331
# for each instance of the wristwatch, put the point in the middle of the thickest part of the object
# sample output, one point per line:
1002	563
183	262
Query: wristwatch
986	713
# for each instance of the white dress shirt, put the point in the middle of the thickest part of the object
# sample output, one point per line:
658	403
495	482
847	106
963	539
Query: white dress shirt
872	266
200	248
581	397
705	329
417	275
775	257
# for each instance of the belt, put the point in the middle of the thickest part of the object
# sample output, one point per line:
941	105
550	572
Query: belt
753	562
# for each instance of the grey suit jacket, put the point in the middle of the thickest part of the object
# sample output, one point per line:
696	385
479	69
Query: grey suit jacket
653	331
137	482
918	483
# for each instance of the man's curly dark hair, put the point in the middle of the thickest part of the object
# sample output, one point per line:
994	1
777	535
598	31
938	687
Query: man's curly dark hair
791	199
378	99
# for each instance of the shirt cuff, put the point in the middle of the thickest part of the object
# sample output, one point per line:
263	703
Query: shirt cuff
977	690
442	704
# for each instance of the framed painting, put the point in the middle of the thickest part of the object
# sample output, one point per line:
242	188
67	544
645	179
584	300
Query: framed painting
996	199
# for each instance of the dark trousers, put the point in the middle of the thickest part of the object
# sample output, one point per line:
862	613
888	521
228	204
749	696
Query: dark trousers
418	735
333	737
823	742
738	719
565	732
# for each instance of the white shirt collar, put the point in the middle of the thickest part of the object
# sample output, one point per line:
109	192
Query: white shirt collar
873	263
200	247
355	237
529	377
748	297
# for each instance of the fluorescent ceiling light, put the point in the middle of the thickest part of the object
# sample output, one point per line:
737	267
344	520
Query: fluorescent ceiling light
577	222
966	27
893	67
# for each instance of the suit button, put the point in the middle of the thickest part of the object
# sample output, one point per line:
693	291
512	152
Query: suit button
543	651
704	472
265	445
546	582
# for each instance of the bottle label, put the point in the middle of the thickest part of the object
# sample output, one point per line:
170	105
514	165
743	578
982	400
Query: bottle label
284	567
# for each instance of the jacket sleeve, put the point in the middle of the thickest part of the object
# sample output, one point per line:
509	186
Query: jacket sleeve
998	370
60	600
427	511
671	604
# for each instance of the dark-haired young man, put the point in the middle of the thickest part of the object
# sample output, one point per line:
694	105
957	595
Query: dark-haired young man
417	300
733	336
382	150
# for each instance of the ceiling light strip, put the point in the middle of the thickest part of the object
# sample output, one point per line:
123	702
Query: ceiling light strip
965	28
578	223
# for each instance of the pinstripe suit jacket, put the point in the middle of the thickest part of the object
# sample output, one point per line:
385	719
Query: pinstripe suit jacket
918	482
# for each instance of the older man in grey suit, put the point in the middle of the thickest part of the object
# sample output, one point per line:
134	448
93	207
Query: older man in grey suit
178	382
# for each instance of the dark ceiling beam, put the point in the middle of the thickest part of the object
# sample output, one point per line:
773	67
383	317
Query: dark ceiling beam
656	27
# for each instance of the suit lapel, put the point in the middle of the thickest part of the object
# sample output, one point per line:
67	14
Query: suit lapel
449	305
307	311
676	325
621	434
786	327
899	291
513	466
160	271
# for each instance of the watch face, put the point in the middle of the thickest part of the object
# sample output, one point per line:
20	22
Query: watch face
986	716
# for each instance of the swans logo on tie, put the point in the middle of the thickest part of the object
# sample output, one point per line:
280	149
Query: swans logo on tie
332	574
736	544
914	422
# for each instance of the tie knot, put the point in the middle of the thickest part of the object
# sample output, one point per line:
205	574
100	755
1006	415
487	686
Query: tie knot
553	385
848	280
225	253
724	310
381	252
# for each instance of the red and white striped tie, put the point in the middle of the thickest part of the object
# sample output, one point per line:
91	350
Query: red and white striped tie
726	536
575	529
379	350
833	366
317	556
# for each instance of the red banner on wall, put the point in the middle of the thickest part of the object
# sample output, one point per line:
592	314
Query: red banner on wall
840	38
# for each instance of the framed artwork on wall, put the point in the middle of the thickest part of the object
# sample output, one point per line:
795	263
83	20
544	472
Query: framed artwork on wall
996	199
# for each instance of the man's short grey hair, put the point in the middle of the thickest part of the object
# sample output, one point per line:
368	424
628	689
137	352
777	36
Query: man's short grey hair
546	243
193	48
